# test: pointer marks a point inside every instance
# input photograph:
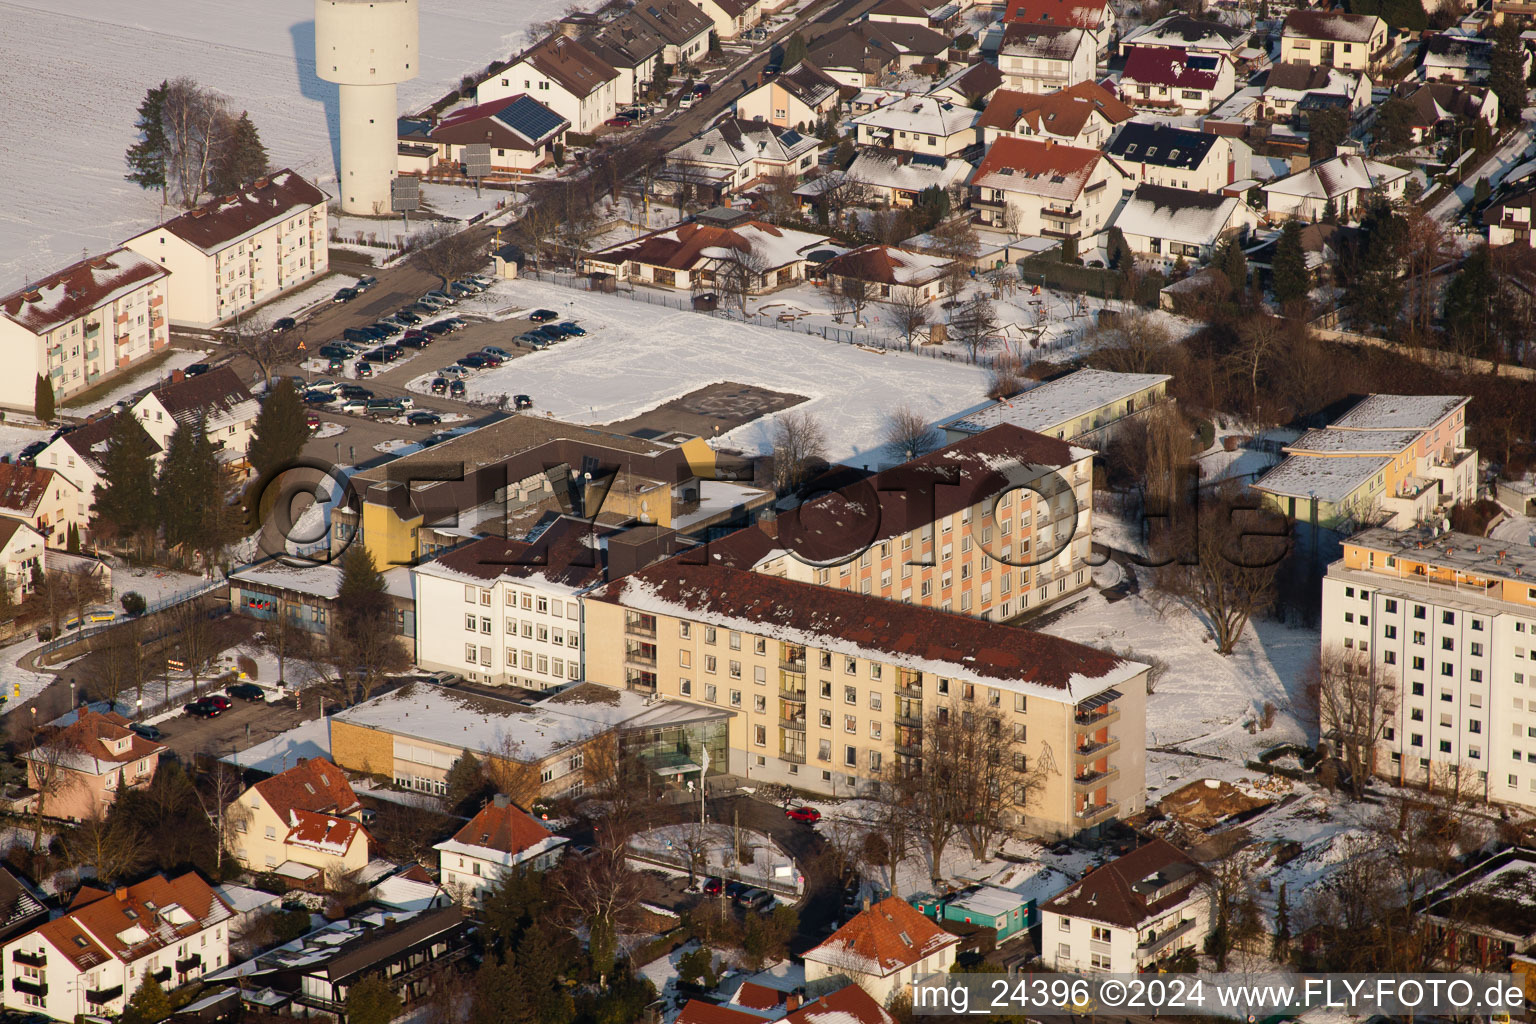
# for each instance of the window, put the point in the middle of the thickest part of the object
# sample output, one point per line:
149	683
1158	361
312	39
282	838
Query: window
1449	618
735	669
851	756
850	695
709	663
470	622
1391	606
710	693
824	719
875	701
850	666
850	724
760	735
735	698
823	750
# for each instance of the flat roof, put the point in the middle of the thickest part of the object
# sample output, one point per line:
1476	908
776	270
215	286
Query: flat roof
1400	412
1358	442
1060	401
1331	480
1479	556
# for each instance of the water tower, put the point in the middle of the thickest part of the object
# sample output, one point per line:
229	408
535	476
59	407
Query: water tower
367	47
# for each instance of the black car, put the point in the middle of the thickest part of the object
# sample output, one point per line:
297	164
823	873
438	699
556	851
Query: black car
392	352
437	330
361	335
374	356
334	352
389	330
149	732
475	361
318	398
247	691
457	389
284	323
439	385
415	339
345	295
405	316
735	889
196	370
363	368
204	708
522	401
29	454
354	391
543	316
549	331
423	419
570	330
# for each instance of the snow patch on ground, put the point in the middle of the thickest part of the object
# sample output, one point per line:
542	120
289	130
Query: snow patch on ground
283	751
136	383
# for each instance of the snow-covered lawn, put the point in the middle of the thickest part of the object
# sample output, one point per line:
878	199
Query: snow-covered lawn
671	843
154	584
638	356
78	71
283	751
16	436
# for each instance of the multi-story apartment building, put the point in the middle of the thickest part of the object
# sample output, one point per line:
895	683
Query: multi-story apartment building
1045	58
238	251
831	691
94	958
1084	406
1448	622
1357	42
1034	187
82	324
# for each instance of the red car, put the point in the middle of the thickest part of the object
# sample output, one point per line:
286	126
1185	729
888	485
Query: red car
713	885
224	704
809	815
619	122
312	421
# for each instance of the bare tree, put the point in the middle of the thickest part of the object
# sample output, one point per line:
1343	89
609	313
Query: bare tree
538	221
219	789
620	780
577	223
799	444
741	274
907	434
514	771
599	891
1354	699
852	295
779	190
891	836
909	311
448	251
290	642
975	324
689	180
51	772
1227	883
1260	341
1005	379
113	848
199	637
1134	343
254	338
840	193
197	125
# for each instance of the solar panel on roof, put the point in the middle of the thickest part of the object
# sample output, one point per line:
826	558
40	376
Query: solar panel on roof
1201	62
529	116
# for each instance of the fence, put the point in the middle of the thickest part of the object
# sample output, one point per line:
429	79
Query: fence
1050	272
168	601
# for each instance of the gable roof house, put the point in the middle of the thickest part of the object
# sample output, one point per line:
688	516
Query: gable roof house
81	325
1289	84
892	177
1096	17
218	397
1081	115
699	252
1172	80
633	49
1037	188
563	75
885	269
921	124
1165	224
46	501
735	155
1195	35
94	957
501	837
301	824
520	131
860	54
1157	154
935	14
1356	42
1457	58
732	17
1346	181
684	28
883	950
93	758
968	86
1128	914
1044	58
77	455
21	548
1437	105
238	251
797	98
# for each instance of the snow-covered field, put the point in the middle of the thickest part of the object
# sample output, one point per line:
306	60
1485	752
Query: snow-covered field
78	71
638	356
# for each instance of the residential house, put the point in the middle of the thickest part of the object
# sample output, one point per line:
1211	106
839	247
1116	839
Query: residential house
218	398
1082	406
735	155
860	54
1129	914
1289	84
564	76
683	26
21	906
302	825
1045	58
1460	59
1082	115
855	673
238	251
1481	917
21	549
77	455
883	950
633	49
1354	42
1320	247
732	17
81	325
44	500
700	252
921	124
1034	187
1164	225
982	906
755	1003
890	178
939	16
1195	35
1176	81
798	98
1097	17
95	956
1437	107
520	131
969	86
79	768
500	838
306	596
1509	218
1343	182
1393	459
1157	154
884	270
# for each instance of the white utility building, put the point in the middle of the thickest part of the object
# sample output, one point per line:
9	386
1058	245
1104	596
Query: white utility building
367	47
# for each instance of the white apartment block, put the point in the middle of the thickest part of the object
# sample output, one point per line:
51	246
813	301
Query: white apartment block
1448	621
81	325
236	252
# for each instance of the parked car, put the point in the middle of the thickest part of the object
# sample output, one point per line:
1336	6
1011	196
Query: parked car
809	815
29	454
388	329
571	330
407	316
415	339
392	352
204	708
493	350
491	358
462	290
196	370
324	384
385	407
424	418
543	316
439	295
365	282
360	335
336	366
522	401
247	692
363	369
334	352
312	421
548	332
354	391
712	885
536	342
475	361
457	389
701	89
149	732
424	309
619	122
473	282
439	385
284	323
684	100
355	406
453	372
318	398
345	295
439	328
751	897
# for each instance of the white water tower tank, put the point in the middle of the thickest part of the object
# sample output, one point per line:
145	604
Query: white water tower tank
367	47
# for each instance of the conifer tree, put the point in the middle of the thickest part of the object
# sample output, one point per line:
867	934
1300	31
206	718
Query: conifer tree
193	493
125	506
1290	267
281	431
243	158
42	399
149	1003
147	157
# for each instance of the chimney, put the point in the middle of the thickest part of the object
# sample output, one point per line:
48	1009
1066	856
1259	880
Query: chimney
177	376
121	894
501	800
792	1002
1300	162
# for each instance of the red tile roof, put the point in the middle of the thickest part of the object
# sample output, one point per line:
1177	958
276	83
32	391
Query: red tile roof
1064	112
217	391
1167	66
699	1012
753	996
508	829
323	832
848	1005
1078	13
482	123
133	922
1036	167
889	936
98	735
220	222
1142	885
23	488
79	288
313	785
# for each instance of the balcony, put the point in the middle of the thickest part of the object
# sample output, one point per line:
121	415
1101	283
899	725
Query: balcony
1096	719
37	988
910	686
1065	216
640	625
1092	751
102	996
163	975
910	747
639	656
797	723
794	695
30	959
912	721
793	665
1096	814
91	330
189	963
792	756
1152	944
1093	781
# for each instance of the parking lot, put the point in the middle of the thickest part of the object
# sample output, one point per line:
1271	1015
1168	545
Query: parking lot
243	725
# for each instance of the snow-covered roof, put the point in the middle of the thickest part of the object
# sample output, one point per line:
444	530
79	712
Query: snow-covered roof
686	245
1400	412
889	936
1043	42
78	289
1337	176
1185	32
1354	442
220	223
322	581
1172	67
1290	82
1331	25
1326	479
885	168
734	142
921	115
1179	214
886	264
1061	402
989	900
1037	168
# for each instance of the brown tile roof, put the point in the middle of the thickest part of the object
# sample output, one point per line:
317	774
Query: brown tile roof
506	828
325	833
77	289
23	488
882	940
1169	66
848	1005
221	221
8	528
1334	25
696	1011
133	922
980	79
1051	42
577	69
217	391
568	552
499	123
1078	13
96	734
1037	168
313	785
677	21
885	264
1064	112
1297	76
1138	887
89	440
681	247
753	996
